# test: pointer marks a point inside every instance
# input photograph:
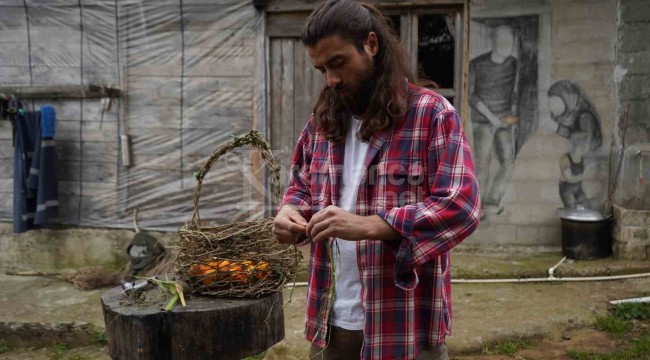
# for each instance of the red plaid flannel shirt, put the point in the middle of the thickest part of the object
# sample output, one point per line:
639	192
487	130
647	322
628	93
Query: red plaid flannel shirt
421	180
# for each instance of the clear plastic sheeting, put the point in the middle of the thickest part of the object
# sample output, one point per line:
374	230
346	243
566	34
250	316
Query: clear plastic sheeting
187	71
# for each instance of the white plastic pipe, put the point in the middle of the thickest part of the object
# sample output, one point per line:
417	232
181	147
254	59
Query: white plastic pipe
633	300
550	278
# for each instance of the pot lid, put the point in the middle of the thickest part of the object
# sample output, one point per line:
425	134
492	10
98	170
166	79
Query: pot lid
580	214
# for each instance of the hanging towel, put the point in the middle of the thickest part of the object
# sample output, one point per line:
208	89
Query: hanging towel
27	132
48	121
36	186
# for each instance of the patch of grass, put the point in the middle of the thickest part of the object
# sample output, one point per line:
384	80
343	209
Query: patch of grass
638	348
507	347
630	311
612	325
101	337
4	348
259	356
59	350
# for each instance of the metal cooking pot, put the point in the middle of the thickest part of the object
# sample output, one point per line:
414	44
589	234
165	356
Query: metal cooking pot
586	234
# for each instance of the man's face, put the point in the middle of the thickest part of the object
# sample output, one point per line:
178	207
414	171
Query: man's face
346	70
504	40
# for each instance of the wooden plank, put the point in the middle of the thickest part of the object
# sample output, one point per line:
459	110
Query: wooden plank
13	35
100	151
69	170
158	141
286	25
288	101
99	172
164	116
275	84
15	75
199	63
303	90
464	109
68	150
54	34
5	130
216	17
66	109
59	91
68	210
277	6
55	16
14	54
6	185
6	169
97	131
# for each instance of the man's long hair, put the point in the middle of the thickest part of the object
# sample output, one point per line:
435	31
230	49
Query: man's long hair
352	21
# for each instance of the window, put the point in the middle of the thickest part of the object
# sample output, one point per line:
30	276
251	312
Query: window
433	40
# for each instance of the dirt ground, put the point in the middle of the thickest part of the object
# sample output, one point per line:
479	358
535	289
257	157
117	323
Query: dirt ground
552	318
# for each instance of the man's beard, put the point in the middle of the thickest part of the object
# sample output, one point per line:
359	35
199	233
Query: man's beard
358	99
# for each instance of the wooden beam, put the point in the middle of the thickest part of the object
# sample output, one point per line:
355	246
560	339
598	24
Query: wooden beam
60	91
279	6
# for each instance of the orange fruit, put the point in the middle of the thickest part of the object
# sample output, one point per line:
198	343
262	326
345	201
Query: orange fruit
209	279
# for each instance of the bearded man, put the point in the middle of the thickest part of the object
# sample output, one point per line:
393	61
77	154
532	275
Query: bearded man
382	186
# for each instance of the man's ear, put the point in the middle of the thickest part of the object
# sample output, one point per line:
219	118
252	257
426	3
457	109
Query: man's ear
371	44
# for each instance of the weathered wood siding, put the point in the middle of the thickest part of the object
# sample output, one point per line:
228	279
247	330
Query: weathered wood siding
188	71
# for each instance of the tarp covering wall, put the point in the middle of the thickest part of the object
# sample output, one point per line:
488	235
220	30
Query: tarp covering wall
187	71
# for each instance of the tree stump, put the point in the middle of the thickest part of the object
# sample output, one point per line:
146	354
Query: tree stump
207	328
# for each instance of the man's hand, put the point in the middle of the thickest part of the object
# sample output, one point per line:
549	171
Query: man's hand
336	222
288	225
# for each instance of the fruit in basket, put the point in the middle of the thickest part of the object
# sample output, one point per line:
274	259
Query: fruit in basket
241	272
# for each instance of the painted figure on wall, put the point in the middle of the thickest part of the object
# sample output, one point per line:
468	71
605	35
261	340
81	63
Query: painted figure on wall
503	100
578	121
493	93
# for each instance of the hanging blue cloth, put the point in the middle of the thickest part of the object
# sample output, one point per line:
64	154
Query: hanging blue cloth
35	170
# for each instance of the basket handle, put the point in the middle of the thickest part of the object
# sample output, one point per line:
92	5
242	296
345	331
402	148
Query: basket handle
253	138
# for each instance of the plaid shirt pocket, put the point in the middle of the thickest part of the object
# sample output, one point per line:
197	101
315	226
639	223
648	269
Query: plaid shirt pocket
399	182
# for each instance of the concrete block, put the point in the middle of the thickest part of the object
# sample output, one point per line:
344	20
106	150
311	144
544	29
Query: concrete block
634	235
635	11
634	252
637	62
631	217
634	37
635	87
528	235
550	235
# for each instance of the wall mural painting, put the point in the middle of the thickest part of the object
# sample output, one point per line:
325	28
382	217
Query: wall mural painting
577	121
503	99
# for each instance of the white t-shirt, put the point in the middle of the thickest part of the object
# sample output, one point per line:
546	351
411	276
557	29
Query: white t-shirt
347	311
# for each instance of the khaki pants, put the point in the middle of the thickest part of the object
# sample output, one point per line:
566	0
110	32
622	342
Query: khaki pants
346	345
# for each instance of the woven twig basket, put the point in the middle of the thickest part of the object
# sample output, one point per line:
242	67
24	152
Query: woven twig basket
240	259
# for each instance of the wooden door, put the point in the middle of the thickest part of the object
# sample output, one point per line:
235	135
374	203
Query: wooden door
294	86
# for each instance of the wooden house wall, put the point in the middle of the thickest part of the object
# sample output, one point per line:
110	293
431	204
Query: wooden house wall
187	69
